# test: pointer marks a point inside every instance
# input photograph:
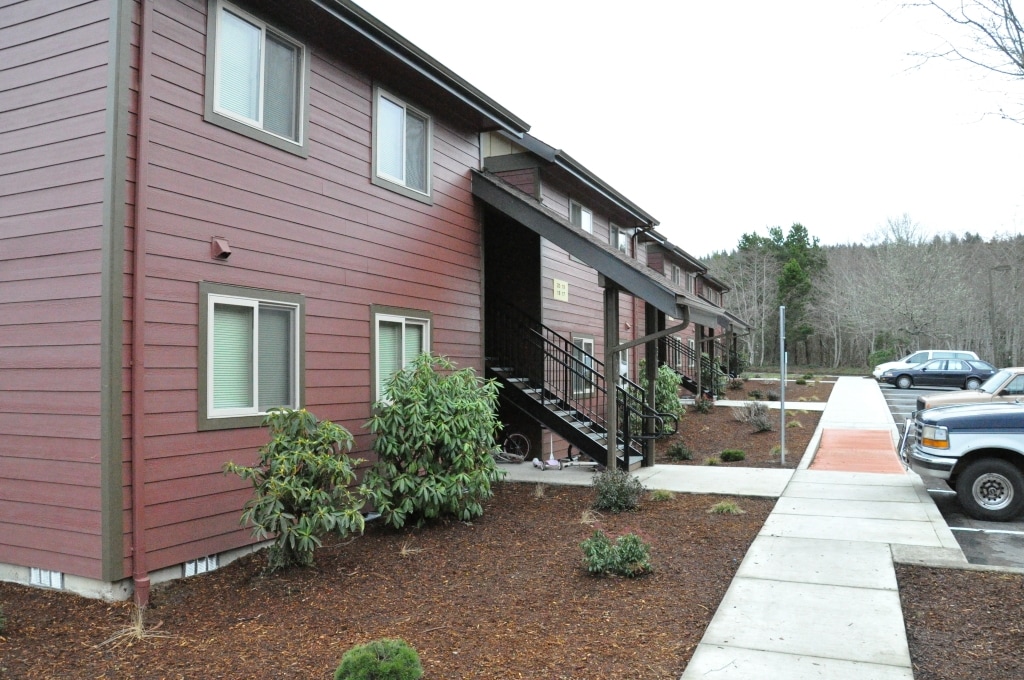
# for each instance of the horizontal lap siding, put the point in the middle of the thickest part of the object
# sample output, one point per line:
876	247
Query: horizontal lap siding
314	226
52	120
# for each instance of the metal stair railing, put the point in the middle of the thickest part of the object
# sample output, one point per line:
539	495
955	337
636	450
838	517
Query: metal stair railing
566	378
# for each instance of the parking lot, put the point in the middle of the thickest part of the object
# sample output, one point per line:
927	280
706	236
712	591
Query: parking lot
989	543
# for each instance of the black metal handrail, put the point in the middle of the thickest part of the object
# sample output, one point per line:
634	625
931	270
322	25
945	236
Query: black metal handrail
568	376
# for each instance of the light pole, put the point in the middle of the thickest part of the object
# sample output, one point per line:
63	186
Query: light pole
992	310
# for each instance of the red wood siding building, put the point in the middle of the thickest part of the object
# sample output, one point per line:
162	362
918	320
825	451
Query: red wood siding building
106	124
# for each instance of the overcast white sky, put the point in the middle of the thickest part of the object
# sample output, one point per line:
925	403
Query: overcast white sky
724	118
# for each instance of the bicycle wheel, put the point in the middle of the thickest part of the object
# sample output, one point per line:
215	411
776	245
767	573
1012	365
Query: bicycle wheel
516	447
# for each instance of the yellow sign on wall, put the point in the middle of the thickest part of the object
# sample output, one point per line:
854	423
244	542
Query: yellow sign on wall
561	290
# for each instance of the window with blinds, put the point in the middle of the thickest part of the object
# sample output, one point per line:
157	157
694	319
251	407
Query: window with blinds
399	341
402	144
252	357
258	76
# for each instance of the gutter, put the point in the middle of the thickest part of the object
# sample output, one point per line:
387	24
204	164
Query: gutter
371	28
140	569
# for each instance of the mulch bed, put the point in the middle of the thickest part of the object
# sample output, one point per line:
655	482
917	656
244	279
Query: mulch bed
706	435
503	597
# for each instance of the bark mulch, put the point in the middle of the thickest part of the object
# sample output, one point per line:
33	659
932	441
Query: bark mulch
502	597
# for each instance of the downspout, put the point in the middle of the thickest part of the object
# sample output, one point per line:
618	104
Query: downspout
140	570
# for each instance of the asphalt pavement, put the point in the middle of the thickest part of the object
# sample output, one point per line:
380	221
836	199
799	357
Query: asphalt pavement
998	544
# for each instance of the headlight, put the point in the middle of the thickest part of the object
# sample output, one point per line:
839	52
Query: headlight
889	373
935	437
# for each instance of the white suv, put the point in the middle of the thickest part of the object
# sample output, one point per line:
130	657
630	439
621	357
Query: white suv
919	357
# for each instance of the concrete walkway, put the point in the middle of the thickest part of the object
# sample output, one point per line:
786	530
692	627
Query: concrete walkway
816	595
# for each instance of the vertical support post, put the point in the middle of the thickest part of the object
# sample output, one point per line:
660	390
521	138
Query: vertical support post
653	322
611	363
782	383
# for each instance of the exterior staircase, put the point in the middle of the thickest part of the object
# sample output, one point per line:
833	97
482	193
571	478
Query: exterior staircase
559	385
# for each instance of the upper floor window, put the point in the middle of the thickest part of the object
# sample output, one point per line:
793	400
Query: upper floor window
400	337
619	239
252	344
402	146
676	274
581	217
256	78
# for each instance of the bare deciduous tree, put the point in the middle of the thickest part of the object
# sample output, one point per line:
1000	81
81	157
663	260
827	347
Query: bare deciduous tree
992	39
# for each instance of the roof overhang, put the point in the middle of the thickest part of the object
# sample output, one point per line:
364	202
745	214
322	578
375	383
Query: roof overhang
624	272
392	43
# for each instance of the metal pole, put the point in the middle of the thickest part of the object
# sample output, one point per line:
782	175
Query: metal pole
782	382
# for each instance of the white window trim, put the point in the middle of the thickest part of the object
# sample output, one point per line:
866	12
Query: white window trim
583	211
213	413
241	124
586	344
382	179
379	317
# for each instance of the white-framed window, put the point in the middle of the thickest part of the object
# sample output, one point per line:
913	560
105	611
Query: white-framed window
399	337
582	369
619	239
402	137
676	273
256	78
624	363
581	217
692	344
251	354
691	282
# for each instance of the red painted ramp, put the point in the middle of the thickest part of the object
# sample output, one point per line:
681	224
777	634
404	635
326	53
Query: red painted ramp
857	451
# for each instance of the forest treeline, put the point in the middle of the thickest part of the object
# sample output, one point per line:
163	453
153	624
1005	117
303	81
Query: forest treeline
856	305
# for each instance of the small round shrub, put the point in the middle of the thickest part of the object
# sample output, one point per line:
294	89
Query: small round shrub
732	455
703	404
629	556
659	495
772	395
726	508
800	381
617	491
756	395
712	461
735	384
383	659
679	451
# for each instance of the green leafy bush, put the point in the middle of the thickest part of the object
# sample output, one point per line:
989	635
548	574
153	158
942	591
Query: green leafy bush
383	659
679	451
732	455
735	384
617	491
302	486
756	395
772	395
629	556
711	462
666	389
800	381
436	429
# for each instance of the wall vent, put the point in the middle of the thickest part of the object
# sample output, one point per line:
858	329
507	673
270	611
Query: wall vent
46	578
201	566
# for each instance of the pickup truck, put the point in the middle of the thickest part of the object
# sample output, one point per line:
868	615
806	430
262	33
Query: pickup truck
979	450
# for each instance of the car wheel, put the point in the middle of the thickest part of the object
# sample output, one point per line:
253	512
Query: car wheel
991	489
972	384
903	382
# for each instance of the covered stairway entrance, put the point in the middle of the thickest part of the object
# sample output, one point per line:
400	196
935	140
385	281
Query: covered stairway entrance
555	382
